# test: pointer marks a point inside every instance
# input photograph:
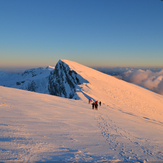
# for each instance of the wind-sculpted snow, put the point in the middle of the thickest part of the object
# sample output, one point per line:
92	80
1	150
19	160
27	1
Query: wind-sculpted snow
63	81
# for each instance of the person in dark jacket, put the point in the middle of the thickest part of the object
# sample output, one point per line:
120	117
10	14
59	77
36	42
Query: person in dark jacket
93	105
100	103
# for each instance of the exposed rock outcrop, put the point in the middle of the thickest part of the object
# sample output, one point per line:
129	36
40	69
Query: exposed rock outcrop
63	81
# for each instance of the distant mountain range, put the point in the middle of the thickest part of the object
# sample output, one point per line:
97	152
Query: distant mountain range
32	80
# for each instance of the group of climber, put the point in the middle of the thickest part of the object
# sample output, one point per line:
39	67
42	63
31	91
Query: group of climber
95	104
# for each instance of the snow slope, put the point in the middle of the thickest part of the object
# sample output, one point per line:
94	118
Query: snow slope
40	127
119	94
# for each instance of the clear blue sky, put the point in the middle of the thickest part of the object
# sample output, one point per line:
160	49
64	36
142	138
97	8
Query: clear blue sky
36	33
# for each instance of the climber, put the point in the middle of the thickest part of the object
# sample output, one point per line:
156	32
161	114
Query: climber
93	105
89	101
96	105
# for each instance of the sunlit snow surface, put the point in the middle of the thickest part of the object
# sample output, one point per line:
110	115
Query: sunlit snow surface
39	127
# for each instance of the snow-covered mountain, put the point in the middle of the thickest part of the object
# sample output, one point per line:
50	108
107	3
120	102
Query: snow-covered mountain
40	127
35	80
61	81
73	80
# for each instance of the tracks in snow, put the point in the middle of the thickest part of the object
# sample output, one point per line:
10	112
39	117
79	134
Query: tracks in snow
126	146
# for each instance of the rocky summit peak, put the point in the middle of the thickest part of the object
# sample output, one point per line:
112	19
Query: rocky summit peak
63	81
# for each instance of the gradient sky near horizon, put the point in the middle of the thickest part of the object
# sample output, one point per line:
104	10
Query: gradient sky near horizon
111	33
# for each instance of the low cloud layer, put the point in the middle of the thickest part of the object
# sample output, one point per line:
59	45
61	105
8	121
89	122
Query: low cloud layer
146	78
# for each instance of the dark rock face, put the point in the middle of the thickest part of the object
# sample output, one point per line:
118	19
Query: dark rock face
63	81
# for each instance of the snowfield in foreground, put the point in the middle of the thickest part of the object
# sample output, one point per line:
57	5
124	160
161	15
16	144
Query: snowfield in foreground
40	127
